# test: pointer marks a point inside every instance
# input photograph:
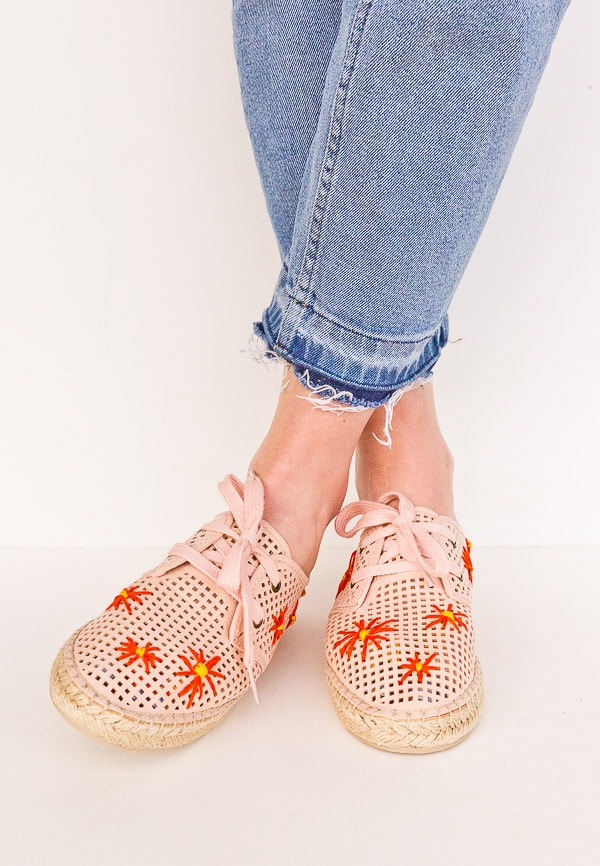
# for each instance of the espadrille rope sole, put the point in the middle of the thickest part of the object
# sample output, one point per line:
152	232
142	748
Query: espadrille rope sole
119	729
411	736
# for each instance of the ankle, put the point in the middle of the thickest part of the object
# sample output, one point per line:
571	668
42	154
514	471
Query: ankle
319	494
420	468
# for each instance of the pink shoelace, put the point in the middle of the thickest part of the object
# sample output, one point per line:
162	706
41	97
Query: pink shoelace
230	566
402	535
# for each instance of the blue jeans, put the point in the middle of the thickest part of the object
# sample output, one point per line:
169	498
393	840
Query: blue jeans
382	130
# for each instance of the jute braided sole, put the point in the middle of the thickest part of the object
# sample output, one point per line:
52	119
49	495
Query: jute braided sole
89	717
412	736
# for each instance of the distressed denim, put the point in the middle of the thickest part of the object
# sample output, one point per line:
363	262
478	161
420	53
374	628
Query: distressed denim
382	130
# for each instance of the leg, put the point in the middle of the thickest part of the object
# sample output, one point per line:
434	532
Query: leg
418	462
409	176
422	106
282	52
304	463
282	49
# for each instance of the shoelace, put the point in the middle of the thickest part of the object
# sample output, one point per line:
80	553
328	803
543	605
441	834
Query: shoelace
403	535
228	564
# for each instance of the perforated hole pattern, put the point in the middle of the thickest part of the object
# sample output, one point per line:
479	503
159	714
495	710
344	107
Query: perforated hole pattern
414	623
130	658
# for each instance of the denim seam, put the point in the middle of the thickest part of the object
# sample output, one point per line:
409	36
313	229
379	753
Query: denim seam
281	353
303	283
418	338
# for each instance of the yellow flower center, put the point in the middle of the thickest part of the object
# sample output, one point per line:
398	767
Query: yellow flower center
363	633
140	650
201	670
419	666
124	593
279	627
449	614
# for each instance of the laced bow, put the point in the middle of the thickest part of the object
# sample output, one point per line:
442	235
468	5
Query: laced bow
402	535
229	565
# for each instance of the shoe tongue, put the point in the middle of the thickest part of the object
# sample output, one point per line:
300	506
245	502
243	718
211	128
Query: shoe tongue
202	540
369	552
453	545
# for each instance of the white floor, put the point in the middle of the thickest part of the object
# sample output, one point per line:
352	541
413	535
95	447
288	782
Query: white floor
283	782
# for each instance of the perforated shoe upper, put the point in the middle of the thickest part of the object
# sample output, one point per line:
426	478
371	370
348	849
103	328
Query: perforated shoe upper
194	633
400	637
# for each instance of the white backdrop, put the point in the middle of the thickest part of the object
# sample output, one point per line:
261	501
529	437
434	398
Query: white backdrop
136	252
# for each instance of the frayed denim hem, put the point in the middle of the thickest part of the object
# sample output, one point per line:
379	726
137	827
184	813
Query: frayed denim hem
332	395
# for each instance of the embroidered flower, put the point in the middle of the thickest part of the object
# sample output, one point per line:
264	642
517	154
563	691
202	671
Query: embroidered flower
278	626
416	666
347	574
455	618
132	652
466	558
373	632
131	593
200	670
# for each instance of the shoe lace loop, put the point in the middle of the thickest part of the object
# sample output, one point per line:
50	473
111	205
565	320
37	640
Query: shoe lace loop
229	564
402	535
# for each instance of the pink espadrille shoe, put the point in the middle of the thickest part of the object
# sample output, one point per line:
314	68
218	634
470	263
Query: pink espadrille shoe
175	650
401	664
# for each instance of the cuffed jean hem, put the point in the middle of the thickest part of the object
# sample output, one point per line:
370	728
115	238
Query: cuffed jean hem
341	366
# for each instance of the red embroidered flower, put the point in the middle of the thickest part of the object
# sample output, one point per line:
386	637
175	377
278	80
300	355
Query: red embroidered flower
278	626
347	574
373	632
200	670
132	651
416	666
466	558
446	616
131	593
